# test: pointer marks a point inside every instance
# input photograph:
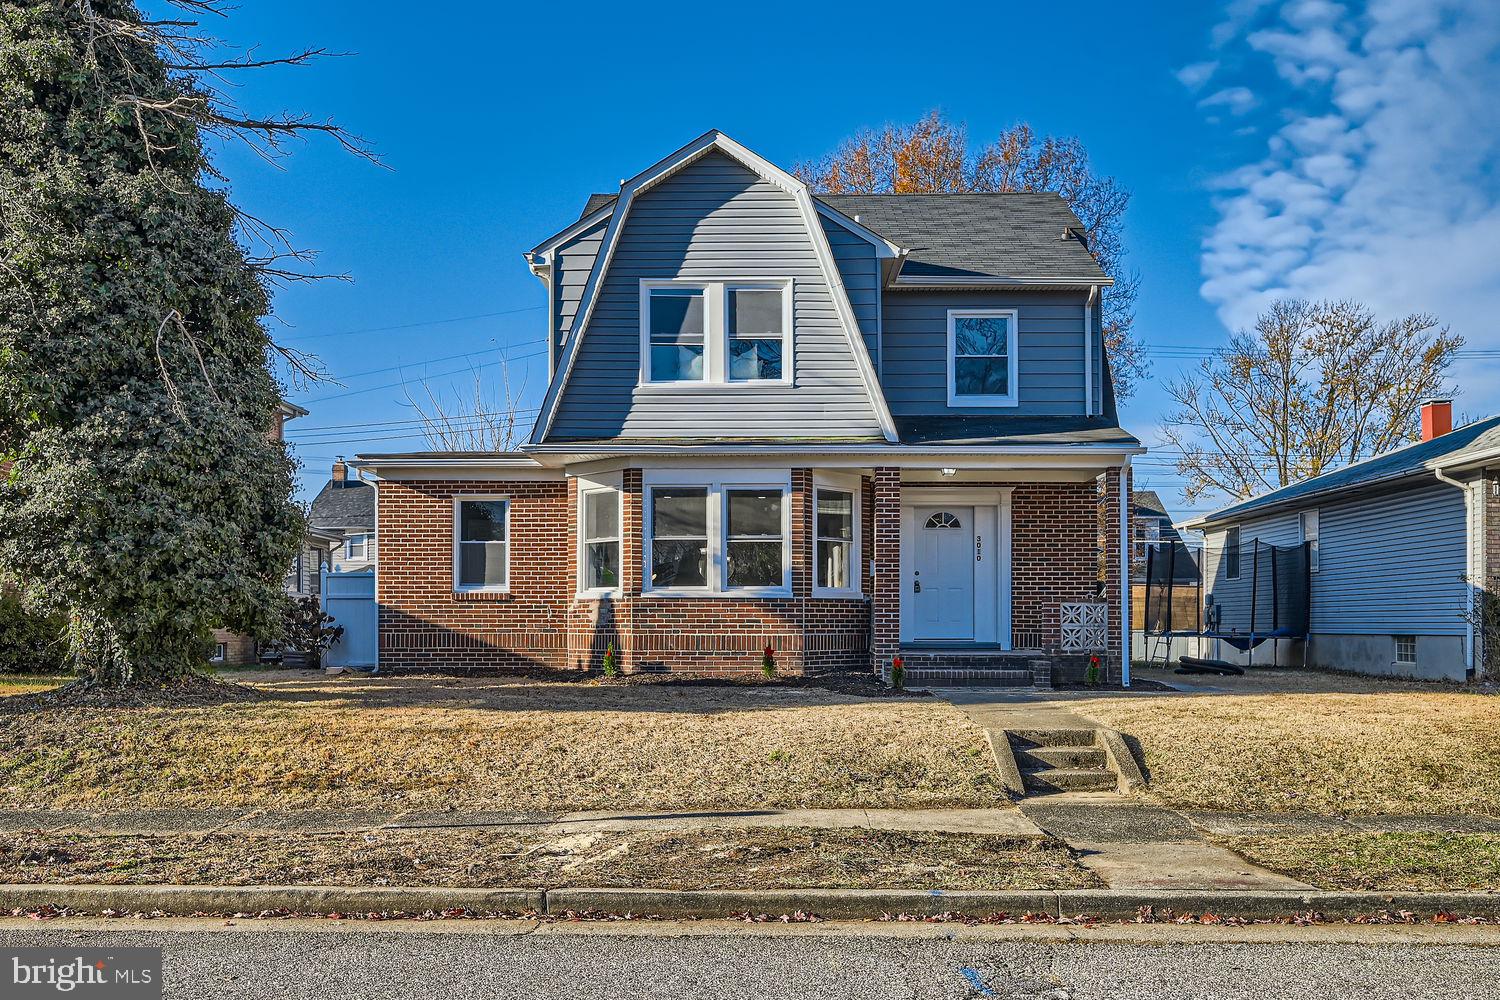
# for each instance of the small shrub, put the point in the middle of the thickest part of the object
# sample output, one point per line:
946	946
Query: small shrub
768	663
898	674
306	629
611	663
30	643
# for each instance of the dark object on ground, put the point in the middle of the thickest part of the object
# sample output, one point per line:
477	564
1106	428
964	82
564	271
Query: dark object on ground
191	690
1199	665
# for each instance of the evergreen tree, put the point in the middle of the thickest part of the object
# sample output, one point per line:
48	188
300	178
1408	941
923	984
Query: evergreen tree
146	500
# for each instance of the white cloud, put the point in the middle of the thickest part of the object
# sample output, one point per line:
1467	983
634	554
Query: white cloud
1195	75
1379	182
1238	100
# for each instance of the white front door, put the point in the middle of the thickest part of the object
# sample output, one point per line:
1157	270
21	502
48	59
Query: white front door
942	585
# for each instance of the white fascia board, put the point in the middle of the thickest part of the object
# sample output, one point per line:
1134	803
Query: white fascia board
1466	460
653	175
583	225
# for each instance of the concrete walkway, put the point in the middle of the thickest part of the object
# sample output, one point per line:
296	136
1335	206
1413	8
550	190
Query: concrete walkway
996	709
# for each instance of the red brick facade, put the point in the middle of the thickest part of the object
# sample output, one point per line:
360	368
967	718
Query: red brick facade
542	622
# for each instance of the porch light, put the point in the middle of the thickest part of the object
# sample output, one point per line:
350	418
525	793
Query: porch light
950	472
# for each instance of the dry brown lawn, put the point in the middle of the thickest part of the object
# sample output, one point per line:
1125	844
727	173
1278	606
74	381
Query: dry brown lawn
792	858
1292	741
495	743
1385	862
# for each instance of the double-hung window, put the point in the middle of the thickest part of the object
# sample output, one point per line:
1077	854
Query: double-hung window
716	332
357	546
481	544
982	365
601	539
757	333
717	536
679	538
677	333
835	527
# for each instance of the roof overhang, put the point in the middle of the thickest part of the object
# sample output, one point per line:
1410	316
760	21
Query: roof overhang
826	454
290	411
451	465
1003	282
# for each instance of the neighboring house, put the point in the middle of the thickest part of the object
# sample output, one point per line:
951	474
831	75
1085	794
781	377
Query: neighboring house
303	576
844	427
1399	546
347	506
1150	525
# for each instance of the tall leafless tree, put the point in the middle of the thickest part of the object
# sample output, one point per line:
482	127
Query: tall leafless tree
1313	386
480	420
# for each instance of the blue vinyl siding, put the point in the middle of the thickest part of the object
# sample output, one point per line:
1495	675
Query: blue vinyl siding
914	336
714	219
860	270
1390	563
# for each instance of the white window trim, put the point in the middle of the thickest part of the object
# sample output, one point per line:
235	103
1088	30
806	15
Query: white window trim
856	554
1314	552
364	547
584	492
1396	649
510	548
718	482
716	333
221	652
1013	350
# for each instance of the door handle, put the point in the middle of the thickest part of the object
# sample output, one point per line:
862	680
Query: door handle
916	586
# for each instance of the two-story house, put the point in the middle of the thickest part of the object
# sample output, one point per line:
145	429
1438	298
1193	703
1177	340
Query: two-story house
844	427
346	506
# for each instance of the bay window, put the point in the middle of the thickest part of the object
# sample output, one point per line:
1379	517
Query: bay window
679	538
982	349
721	332
834	529
481	544
717	535
601	539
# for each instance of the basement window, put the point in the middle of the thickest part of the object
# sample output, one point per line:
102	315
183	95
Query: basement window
1406	649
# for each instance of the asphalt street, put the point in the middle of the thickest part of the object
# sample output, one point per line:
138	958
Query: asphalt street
496	960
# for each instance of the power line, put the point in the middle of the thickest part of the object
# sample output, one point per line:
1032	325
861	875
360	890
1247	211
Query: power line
395	385
413	326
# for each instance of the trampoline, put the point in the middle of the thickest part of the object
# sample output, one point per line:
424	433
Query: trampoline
1269	604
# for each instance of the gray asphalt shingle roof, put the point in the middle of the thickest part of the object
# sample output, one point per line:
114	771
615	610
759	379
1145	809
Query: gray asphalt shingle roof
1011	235
961	430
350	504
1413	459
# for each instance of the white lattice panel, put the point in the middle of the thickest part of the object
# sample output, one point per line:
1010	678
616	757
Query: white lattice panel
1085	627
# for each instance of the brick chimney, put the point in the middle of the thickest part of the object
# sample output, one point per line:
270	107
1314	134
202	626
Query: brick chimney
1437	418
341	468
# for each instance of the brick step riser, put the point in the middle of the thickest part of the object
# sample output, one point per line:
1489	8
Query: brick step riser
967	678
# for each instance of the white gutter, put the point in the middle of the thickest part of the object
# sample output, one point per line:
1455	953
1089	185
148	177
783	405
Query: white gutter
1125	572
893	451
1471	589
1088	351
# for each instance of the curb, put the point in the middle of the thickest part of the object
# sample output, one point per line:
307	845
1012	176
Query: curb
846	904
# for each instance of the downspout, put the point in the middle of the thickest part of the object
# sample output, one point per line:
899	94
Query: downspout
1125	572
1088	351
1470	569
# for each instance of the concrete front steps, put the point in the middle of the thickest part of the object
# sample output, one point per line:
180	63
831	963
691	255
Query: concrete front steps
1064	760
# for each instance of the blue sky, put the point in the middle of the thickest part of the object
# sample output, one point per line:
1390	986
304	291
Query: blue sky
1271	147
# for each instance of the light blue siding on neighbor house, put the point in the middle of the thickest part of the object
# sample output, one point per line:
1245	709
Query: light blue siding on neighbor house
1051	367
714	219
1389	564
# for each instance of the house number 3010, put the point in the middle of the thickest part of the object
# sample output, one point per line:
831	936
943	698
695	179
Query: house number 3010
979	548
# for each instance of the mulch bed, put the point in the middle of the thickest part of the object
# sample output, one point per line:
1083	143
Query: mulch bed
184	692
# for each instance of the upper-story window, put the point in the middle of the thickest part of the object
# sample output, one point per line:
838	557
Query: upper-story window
720	332
982	357
357	546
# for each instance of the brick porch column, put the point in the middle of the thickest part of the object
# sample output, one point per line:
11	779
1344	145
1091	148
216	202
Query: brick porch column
1116	595
885	617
